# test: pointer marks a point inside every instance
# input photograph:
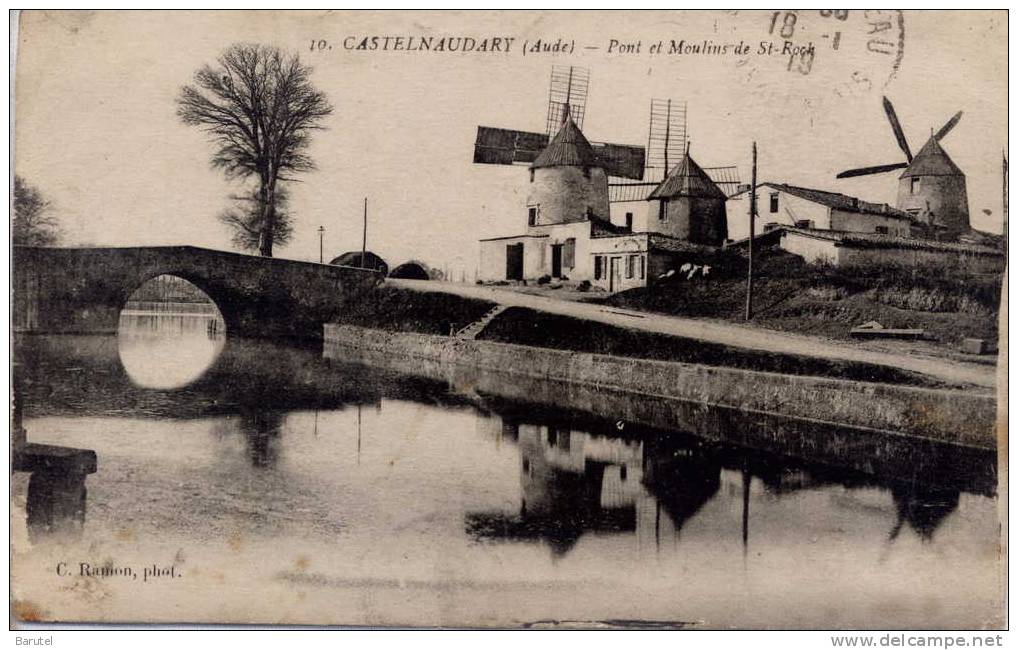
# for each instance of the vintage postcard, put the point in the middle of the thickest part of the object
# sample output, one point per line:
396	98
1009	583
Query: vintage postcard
485	319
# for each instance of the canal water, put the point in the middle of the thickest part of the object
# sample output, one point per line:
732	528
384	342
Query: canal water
247	481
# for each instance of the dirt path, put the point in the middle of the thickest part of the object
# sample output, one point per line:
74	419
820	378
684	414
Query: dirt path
733	334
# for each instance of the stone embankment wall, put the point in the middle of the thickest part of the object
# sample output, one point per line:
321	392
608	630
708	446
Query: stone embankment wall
957	417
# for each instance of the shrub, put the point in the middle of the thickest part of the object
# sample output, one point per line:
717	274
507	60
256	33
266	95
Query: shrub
544	279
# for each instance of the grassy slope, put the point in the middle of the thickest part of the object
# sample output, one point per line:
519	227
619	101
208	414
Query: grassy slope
793	296
401	310
394	309
529	327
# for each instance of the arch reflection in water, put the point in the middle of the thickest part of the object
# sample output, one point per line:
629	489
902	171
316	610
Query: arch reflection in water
170	333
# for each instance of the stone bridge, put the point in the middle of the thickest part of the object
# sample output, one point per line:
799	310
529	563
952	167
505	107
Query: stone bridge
82	290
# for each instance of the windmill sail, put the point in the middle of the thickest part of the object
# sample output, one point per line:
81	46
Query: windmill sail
621	160
866	171
506	146
666	138
899	134
944	130
568	88
726	178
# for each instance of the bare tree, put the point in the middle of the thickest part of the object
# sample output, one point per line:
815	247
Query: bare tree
34	223
258	107
245	219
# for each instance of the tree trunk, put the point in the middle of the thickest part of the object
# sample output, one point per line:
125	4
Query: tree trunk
268	217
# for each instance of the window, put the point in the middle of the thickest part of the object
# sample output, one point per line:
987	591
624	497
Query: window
804	223
532	216
531	175
630	266
558	437
915	185
662	212
882	230
597	267
640	265
569	253
629	220
774	202
586	172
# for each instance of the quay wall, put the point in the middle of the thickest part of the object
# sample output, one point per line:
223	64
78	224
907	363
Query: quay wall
955	417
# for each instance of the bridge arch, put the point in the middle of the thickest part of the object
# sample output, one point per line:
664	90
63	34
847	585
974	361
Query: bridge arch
219	299
65	290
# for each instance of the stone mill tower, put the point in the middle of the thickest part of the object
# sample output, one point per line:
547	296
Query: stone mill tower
567	180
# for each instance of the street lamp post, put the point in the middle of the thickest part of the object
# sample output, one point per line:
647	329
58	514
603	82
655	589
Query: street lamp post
321	244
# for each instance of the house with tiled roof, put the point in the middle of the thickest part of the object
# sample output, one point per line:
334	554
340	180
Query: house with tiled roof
780	204
861	249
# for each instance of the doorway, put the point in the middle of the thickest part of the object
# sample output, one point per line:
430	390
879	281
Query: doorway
556	260
514	261
615	275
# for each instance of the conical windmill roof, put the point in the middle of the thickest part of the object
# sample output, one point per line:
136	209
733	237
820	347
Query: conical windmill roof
932	160
569	148
687	179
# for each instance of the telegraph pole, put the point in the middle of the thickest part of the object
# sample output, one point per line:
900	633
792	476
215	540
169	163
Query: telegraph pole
364	239
1004	173
321	244
752	233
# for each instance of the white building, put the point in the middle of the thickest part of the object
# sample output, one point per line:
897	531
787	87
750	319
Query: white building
569	234
801	207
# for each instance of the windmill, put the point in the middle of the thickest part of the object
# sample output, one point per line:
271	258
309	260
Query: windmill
932	187
667	145
567	94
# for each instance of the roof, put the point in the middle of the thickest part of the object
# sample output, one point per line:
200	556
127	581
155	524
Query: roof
973	236
687	179
932	160
353	258
838	201
569	148
874	240
604	228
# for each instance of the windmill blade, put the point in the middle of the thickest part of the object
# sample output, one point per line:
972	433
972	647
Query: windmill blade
899	134
621	160
569	86
507	146
866	171
666	137
726	178
944	130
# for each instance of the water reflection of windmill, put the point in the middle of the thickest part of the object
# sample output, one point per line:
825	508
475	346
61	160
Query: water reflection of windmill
932	188
572	483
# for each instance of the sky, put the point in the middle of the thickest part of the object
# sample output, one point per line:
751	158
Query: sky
96	129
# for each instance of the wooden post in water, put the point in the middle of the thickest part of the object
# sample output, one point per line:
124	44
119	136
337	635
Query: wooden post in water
746	479
752	233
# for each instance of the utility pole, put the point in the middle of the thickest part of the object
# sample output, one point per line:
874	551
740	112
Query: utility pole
364	239
321	244
752	233
668	125
1004	171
